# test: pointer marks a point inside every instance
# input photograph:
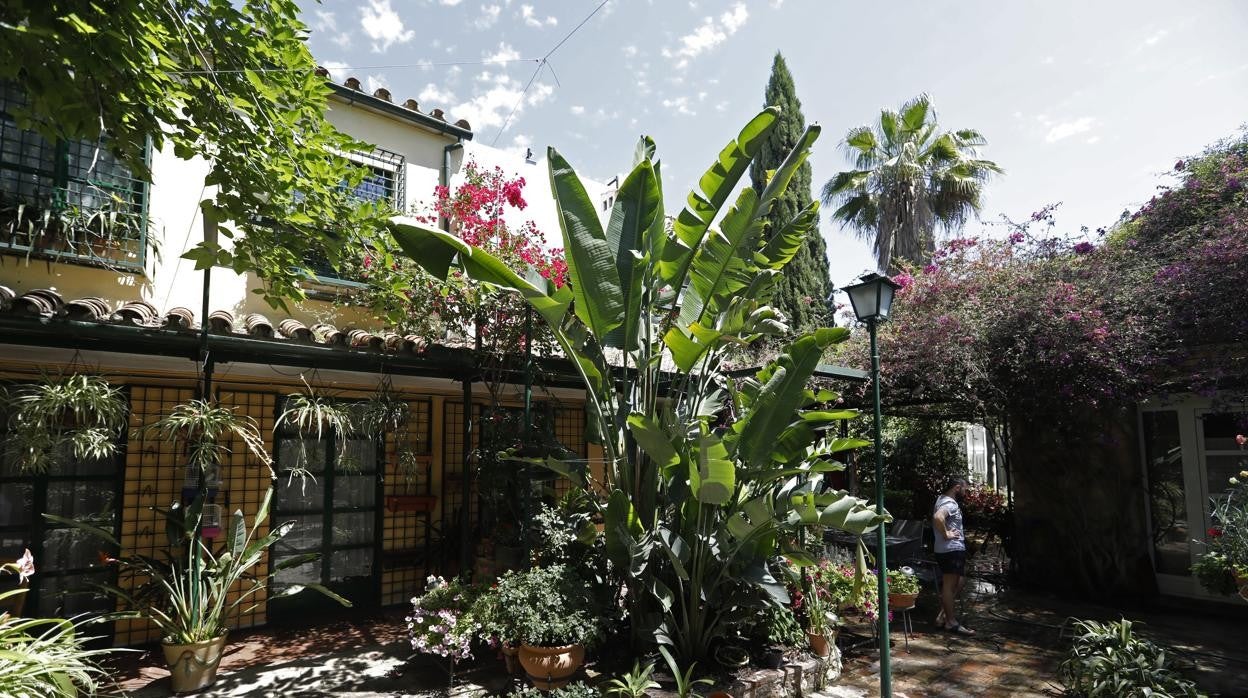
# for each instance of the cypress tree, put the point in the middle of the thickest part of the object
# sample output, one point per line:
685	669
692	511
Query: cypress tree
802	293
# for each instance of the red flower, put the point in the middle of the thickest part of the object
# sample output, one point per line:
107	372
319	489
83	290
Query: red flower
1214	532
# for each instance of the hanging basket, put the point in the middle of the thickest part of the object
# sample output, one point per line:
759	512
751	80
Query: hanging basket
411	502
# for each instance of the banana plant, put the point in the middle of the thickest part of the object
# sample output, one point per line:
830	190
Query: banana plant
705	473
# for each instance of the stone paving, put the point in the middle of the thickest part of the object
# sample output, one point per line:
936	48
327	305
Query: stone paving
1016	653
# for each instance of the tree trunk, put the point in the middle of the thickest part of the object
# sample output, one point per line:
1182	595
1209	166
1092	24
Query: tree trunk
1080	505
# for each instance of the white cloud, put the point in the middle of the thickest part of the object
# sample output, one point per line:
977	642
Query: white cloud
435	95
337	70
325	22
1048	60
504	53
488	17
1066	129
343	39
531	19
577	110
383	25
775	4
520	144
1093	140
375	81
630	51
449	3
681	105
1158	36
708	35
495	96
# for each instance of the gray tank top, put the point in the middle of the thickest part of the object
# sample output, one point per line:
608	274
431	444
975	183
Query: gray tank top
953	522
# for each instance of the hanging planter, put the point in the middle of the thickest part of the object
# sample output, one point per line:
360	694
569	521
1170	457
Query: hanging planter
77	415
411	502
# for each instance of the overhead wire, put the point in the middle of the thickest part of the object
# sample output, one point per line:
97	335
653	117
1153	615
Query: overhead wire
543	63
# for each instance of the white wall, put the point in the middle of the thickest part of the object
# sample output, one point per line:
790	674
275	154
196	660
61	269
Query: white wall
176	225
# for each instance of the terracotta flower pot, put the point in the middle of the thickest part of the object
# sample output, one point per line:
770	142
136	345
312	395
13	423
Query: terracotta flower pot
509	658
818	644
550	667
1240	578
901	601
193	667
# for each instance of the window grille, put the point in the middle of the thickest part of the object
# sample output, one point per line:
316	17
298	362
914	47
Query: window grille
69	200
384	185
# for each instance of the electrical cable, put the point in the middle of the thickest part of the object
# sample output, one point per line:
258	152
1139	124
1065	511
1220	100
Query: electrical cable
391	66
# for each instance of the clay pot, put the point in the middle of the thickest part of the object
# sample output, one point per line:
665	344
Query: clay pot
773	658
898	602
818	644
509	658
550	667
193	667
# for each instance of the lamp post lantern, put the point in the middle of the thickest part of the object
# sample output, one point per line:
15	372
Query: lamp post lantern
872	299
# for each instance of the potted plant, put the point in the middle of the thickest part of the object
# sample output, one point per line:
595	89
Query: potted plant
309	413
1223	567
192	592
633	684
442	622
686	685
77	415
903	588
551	614
776	629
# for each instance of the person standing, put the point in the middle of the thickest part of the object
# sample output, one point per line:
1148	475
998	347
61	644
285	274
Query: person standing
950	547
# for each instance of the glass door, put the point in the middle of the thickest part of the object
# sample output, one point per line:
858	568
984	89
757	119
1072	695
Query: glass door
330	488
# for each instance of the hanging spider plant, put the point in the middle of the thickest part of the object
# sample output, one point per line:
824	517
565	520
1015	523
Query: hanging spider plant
205	427
76	416
386	412
310	413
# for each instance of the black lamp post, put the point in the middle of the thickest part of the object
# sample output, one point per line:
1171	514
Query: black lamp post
872	299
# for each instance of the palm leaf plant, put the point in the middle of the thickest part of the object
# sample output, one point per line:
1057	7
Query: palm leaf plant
204	428
707	475
193	589
78	416
909	179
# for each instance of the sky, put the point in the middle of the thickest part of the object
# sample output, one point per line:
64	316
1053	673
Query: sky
1086	104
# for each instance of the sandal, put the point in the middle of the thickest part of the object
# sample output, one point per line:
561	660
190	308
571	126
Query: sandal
940	619
959	629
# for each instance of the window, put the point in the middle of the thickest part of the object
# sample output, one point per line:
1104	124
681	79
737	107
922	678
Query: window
384	185
335	510
66	559
1163	457
67	200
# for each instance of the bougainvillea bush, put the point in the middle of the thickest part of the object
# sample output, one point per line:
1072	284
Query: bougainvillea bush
441	623
413	302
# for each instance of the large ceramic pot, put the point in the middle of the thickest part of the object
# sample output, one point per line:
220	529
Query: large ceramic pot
550	667
193	667
509	658
901	601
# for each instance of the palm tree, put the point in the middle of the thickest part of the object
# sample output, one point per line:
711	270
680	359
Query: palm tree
909	178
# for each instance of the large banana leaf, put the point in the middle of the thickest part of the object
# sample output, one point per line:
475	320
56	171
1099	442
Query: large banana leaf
712	476
435	249
782	392
638	205
723	263
596	287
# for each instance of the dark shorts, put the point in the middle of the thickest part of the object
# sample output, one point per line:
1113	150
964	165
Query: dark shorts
952	562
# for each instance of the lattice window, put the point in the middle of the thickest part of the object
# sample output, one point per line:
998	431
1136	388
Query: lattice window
70	200
407	530
66	558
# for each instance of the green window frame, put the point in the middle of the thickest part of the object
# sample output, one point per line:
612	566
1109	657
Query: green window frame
67	200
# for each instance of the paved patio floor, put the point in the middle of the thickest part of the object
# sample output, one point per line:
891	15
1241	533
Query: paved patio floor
1016	653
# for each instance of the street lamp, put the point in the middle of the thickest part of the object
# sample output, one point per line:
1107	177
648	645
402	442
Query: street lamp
872	299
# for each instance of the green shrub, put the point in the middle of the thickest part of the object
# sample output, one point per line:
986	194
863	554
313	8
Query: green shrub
1213	571
1108	659
777	625
576	689
902	582
545	606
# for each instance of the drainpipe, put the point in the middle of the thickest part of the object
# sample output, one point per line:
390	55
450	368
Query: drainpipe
444	177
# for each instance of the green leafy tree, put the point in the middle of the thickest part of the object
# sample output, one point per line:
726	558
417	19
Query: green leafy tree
233	83
909	179
802	292
708	476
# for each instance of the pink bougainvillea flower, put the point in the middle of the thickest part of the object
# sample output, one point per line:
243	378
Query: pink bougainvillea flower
1241	439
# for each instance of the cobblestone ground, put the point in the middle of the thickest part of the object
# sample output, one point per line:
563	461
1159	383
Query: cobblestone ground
1016	653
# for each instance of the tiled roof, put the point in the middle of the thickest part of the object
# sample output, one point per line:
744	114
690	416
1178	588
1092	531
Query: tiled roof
47	303
410	105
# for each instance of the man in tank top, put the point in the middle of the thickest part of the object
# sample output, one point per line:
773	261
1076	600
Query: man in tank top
950	547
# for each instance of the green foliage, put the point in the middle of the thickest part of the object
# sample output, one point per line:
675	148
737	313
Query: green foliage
545	606
233	83
802	293
686	685
1226	546
444	619
1213	570
696	503
204	427
633	684
76	416
909	179
191	591
310	413
1108	659
45	657
776	626
900	582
